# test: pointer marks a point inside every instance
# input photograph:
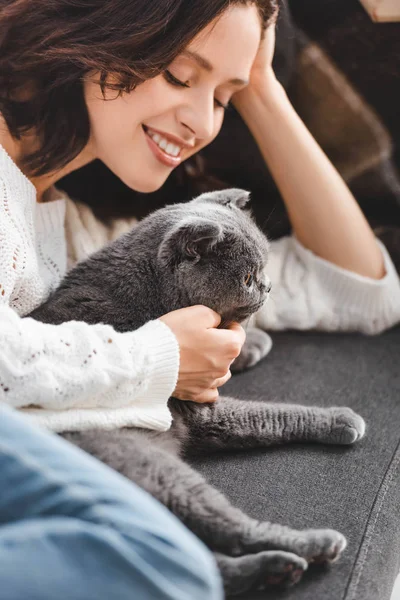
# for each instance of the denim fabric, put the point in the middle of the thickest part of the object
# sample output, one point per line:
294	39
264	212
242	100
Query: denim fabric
355	489
71	528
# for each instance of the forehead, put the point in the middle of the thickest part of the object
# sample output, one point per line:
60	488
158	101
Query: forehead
230	43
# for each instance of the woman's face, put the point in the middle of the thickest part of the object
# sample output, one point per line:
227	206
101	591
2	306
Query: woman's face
142	136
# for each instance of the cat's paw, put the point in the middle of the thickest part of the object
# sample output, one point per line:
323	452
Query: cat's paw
256	346
258	571
347	426
282	568
321	545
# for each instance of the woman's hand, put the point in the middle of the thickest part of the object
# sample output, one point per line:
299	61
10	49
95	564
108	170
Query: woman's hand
262	66
206	353
262	71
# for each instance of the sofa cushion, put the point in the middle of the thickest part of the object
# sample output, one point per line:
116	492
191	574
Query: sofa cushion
353	489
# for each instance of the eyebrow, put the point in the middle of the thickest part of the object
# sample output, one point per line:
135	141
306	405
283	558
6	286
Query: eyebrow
207	66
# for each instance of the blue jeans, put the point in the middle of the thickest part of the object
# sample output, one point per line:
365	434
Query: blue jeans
72	528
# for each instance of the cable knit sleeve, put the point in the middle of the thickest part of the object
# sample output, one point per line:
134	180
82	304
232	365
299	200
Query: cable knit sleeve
78	365
309	292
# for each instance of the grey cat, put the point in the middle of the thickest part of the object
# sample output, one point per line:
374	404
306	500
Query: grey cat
208	251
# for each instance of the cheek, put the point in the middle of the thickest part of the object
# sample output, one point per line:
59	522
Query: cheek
117	136
115	119
155	98
108	117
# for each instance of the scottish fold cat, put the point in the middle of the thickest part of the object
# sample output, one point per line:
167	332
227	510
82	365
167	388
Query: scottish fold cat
208	251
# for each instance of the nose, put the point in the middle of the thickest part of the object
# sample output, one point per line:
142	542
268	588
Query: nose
266	286
198	116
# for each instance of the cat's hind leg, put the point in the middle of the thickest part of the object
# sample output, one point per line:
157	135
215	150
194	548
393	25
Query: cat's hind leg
148	459
258	571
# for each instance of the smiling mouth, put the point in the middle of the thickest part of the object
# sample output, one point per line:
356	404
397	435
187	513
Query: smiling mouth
165	151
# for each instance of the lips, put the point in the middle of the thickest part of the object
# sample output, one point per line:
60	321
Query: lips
165	149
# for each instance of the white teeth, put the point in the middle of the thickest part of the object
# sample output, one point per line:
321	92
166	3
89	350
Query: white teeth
164	144
176	151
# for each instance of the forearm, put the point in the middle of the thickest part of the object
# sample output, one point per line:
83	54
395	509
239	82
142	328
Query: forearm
76	365
325	217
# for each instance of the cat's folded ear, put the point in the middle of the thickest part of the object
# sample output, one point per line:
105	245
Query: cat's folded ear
230	197
191	240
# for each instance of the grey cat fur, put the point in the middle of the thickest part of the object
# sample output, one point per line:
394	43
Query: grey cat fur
201	253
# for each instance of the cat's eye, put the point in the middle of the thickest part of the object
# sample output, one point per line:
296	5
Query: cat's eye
248	280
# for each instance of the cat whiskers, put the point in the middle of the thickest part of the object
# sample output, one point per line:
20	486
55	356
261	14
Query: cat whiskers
266	221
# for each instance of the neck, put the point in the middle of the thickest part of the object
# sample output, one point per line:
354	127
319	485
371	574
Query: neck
44	182
17	149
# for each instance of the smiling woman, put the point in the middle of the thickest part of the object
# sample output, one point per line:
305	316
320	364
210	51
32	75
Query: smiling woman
170	117
143	85
184	61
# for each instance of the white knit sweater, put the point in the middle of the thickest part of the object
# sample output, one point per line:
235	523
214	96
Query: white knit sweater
71	376
77	376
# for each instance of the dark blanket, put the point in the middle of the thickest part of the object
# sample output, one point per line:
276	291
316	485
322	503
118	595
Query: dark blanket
346	87
333	79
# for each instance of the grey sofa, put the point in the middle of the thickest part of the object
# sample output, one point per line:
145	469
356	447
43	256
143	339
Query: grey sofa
355	489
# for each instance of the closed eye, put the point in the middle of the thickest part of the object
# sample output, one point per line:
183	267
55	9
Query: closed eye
174	81
185	84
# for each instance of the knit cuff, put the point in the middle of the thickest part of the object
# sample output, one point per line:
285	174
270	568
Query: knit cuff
373	302
163	361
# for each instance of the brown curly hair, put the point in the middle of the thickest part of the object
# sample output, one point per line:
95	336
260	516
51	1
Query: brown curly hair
47	47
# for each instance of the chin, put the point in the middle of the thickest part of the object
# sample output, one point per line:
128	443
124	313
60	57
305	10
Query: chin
145	186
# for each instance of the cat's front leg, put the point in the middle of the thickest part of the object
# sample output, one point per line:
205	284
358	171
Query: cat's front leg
256	347
335	425
231	423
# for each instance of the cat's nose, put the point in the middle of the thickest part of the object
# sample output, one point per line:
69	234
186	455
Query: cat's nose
266	286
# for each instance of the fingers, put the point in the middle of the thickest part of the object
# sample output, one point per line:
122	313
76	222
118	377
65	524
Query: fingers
239	332
222	380
212	393
204	397
207	397
230	341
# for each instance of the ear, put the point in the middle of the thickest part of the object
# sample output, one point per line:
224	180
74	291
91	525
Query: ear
190	240
230	197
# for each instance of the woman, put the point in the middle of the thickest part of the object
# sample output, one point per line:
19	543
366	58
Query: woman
143	86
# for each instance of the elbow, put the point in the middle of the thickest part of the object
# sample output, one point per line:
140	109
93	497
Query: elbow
379	324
